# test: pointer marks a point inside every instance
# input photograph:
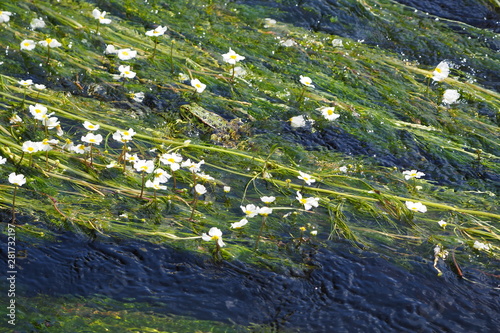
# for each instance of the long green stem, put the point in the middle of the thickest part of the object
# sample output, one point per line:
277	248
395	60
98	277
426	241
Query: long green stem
90	153
172	56
264	218
143	180
195	201
48	54
154	50
14	205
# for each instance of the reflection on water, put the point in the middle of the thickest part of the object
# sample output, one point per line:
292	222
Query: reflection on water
347	291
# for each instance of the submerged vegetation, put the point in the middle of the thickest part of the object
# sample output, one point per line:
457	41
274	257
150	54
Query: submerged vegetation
182	122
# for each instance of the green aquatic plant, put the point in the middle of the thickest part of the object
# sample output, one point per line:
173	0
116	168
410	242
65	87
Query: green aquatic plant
241	131
17	180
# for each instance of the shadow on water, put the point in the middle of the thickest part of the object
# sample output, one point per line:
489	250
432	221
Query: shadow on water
342	290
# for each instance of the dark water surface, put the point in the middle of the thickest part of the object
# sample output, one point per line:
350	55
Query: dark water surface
345	290
356	21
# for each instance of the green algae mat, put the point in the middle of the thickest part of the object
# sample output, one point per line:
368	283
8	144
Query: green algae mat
219	128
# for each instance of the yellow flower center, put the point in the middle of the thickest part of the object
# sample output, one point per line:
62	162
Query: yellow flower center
125	133
438	69
48	40
248	212
215	238
303	201
125	53
233	56
330	112
30	149
144	168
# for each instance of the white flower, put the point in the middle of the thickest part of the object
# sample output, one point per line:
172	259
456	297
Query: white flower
79	149
51	122
28	44
307	202
124	136
25	83
161	176
144	166
30	147
38	111
305	80
155	184
204	176
40	86
110	49
239	71
112	164
442	224
337	42
126	72
98	15
250	210
89	126
131	158
237	225
232	57
440	252
265	211
156	32
17	180
192	166
328	112
183	77
226	189
4	16
214	234
314	232
481	246
413	174
126	54
416	206
15	119
173	160
50	42
92	138
267	200
298	121
450	96
37	23
2	160
45	145
307	178
269	22
198	85
288	43
441	71
343	169
200	189
138	97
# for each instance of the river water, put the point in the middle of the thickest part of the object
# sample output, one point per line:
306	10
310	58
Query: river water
342	289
